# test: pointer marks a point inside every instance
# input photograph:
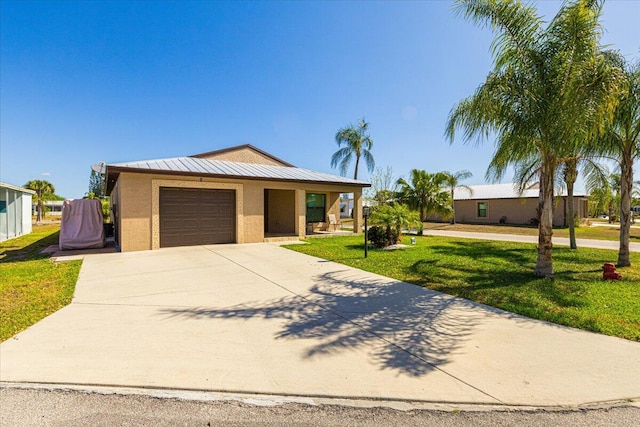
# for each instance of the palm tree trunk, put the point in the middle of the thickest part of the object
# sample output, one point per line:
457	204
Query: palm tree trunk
544	263
626	186
610	212
570	176
571	219
40	208
453	208
355	173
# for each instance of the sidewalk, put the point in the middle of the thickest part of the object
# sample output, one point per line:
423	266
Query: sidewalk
560	241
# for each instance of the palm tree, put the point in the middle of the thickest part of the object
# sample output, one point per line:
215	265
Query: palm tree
549	87
394	217
594	173
452	181
43	189
623	141
604	195
357	143
425	194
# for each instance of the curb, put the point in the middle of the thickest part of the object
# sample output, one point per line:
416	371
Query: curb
278	400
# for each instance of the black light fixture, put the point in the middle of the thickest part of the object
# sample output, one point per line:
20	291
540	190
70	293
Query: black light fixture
366	211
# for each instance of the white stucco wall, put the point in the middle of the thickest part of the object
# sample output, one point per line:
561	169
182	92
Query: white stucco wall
26	213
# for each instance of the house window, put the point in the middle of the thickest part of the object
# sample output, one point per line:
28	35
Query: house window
316	209
482	209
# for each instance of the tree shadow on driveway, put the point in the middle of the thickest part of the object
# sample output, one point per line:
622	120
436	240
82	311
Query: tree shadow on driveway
403	327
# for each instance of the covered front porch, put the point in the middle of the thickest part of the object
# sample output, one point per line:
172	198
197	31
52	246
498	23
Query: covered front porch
297	214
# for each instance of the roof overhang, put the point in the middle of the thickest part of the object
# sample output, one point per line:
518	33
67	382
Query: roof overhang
113	173
16	188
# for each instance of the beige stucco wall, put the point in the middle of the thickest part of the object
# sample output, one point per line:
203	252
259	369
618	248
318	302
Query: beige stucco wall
243	155
135	212
516	211
137	198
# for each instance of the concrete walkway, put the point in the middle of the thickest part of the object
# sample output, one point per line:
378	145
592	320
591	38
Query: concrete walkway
561	241
258	318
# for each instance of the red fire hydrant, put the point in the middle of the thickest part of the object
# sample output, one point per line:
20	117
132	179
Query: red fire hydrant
609	272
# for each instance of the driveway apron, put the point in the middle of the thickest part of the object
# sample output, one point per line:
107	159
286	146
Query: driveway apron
257	318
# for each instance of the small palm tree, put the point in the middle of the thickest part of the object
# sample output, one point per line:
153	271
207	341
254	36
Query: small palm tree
604	195
453	180
357	143
43	189
425	194
394	217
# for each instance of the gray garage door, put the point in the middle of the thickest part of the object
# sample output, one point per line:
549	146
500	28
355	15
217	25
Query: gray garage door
194	216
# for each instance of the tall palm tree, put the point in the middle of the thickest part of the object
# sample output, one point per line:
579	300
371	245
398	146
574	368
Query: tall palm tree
425	194
549	87
355	142
452	181
43	189
623	142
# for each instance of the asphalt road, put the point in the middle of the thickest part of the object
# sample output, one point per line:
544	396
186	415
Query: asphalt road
36	407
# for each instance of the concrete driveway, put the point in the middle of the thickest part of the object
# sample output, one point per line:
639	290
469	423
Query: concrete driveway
258	318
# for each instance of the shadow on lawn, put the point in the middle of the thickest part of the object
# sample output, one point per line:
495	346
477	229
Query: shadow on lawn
499	278
12	252
404	328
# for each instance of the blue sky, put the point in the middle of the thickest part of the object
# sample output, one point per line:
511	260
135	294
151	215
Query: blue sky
82	82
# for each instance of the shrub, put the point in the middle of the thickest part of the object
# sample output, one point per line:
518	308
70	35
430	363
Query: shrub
106	210
381	237
393	219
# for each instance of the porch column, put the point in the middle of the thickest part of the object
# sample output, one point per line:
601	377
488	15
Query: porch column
301	213
357	210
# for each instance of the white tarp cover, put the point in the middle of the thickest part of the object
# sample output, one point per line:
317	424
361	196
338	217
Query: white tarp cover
81	226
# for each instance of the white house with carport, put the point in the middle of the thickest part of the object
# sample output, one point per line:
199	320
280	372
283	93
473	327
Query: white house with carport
15	211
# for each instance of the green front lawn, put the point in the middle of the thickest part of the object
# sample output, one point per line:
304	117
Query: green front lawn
500	274
31	286
582	232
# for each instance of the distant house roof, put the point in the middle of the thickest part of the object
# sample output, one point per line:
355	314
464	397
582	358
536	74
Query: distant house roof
502	191
16	188
226	169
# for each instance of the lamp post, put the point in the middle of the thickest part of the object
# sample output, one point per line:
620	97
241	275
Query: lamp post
366	211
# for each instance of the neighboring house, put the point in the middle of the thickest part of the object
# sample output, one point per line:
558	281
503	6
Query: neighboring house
235	195
501	203
51	207
15	211
346	206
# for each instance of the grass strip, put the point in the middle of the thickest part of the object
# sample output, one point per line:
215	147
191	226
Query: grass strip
31	285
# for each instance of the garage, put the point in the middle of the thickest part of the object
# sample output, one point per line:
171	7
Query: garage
196	216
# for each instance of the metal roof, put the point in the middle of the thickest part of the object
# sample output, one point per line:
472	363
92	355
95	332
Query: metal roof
223	168
502	191
16	188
